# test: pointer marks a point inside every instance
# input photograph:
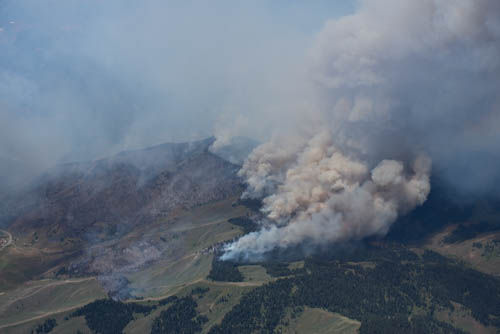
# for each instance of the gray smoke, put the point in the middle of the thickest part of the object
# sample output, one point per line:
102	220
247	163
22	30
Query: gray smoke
82	80
394	86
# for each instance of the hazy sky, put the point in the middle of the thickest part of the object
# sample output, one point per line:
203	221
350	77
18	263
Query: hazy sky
81	79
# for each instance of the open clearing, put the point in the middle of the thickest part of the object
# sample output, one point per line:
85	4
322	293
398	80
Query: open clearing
197	230
38	299
34	300
462	318
254	273
219	300
474	251
316	320
178	273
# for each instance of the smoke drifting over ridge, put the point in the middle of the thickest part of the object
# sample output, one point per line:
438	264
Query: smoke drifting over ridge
395	85
81	80
384	92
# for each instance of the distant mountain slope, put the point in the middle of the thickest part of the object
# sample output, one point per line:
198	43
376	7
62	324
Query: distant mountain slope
129	188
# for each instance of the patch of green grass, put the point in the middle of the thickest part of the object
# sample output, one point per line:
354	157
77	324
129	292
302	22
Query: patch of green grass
254	273
17	269
296	265
218	301
485	258
65	325
205	236
47	297
186	265
461	318
19	265
167	277
315	320
143	323
71	325
197	229
214	304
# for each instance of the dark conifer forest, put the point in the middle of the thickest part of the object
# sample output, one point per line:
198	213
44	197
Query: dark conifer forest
380	287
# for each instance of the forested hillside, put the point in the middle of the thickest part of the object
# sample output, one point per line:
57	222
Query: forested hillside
387	289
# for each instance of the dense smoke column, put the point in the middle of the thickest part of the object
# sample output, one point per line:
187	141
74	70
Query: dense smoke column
325	196
397	84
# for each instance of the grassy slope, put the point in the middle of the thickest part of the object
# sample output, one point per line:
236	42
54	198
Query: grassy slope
20	264
254	273
199	228
461	318
40	299
208	305
214	304
315	320
219	300
222	296
477	258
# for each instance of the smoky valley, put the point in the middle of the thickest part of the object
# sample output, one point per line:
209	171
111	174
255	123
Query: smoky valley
134	243
247	167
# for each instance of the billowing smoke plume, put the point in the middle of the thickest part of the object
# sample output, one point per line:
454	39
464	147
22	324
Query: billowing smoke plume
396	85
320	195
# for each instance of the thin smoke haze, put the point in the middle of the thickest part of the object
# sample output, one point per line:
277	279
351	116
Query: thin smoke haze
82	80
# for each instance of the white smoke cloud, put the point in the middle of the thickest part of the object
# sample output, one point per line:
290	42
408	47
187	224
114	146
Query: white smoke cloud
325	196
396	84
